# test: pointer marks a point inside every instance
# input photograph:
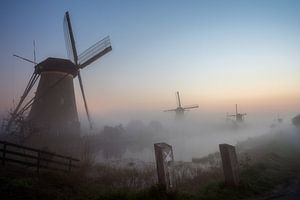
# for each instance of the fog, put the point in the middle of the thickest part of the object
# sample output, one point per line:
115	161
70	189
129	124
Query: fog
131	135
196	135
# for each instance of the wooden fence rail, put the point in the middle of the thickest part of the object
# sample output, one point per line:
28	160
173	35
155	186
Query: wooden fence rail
14	153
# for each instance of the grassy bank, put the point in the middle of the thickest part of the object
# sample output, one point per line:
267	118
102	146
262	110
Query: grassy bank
265	163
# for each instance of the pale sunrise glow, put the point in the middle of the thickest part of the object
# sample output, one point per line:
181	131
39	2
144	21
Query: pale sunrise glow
237	52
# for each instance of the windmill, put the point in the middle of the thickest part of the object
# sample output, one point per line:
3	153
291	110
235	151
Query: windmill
180	110
239	117
53	108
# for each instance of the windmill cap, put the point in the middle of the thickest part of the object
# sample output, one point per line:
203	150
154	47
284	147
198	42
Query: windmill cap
57	65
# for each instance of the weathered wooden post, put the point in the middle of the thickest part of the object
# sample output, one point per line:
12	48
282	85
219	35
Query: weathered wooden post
164	163
230	164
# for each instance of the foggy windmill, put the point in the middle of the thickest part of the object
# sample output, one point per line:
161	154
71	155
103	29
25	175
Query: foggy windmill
239	117
53	108
180	110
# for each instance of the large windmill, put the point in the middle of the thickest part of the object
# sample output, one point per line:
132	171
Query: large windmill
180	110
53	108
239	117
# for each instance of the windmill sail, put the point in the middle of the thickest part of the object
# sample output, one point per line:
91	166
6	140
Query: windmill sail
191	107
87	57
178	99
69	39
94	52
169	110
84	100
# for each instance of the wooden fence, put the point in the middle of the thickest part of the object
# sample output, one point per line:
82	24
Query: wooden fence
35	158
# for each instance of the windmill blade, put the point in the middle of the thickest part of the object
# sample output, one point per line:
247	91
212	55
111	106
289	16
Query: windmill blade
22	58
84	100
178	98
191	107
169	110
29	86
69	39
34	54
94	52
231	115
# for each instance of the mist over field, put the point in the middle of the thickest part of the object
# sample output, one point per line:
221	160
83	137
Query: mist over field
196	135
131	135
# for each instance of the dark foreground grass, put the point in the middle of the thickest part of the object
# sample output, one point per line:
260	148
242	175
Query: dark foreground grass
256	179
271	164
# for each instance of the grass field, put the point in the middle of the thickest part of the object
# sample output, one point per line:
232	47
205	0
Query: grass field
265	163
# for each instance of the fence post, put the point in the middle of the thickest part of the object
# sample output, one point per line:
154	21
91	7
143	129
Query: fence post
38	161
164	164
3	154
230	164
70	164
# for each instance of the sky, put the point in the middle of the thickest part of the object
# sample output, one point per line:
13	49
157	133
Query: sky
215	53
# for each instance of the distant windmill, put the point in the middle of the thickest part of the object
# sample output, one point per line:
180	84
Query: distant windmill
180	110
239	117
53	108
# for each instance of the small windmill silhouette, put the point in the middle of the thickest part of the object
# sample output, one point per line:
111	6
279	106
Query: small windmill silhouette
239	117
179	111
